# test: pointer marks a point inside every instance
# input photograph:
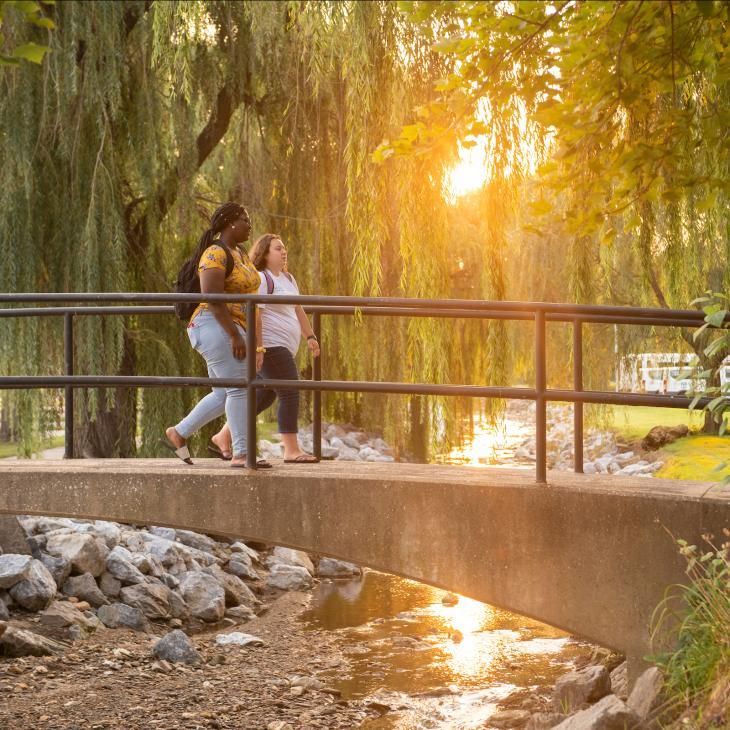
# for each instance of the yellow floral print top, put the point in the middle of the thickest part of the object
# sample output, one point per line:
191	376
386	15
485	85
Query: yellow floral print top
244	278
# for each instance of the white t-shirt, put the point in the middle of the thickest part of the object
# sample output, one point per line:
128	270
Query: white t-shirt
279	321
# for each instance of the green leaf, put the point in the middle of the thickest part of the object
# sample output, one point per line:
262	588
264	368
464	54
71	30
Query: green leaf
43	23
716	319
30	52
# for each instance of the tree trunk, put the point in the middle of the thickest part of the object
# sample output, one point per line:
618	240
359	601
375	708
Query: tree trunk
111	434
419	436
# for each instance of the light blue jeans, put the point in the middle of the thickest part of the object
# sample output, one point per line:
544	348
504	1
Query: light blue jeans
210	339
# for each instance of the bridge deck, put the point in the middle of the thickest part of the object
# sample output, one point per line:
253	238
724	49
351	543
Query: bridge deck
369	471
589	554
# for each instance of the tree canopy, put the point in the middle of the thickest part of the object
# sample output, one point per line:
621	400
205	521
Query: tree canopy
605	127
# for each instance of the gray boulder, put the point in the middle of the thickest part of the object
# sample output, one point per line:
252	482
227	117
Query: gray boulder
331	568
58	567
152	599
236	591
86	553
37	590
170	580
288	556
240	613
176	647
620	681
62	614
584	685
545	720
18	642
610	713
4	613
646	698
178	608
241	569
14	568
37	525
109	532
289	577
84	588
204	596
167	533
173	556
248	552
196	540
119	615
120	564
110	586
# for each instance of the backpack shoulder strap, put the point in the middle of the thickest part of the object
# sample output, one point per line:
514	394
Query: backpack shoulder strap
229	260
291	279
269	282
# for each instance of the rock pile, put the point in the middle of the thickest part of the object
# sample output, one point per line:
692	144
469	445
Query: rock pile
345	443
84	576
601	453
594	699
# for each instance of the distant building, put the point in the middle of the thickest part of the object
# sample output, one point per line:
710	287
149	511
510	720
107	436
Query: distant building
664	372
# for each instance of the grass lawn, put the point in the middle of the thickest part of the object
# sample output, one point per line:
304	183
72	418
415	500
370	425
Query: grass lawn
10	448
267	430
634	422
698	457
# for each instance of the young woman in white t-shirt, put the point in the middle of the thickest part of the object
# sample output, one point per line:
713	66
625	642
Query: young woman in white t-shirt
283	326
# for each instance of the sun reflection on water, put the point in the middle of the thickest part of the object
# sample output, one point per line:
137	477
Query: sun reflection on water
472	650
490	443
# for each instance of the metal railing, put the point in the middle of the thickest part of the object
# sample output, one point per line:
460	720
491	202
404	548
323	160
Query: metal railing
539	312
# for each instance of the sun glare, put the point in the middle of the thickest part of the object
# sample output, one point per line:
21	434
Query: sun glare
470	173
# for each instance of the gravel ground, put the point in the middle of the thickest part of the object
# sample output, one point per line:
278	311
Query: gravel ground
111	680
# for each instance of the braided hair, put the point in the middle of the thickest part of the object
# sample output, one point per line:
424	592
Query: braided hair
219	221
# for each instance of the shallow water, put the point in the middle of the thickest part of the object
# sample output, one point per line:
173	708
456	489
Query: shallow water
434	665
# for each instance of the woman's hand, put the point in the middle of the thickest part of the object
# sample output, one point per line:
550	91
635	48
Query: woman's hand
238	345
259	361
313	346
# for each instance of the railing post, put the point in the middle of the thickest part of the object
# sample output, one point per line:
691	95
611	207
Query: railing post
540	403
250	390
578	405
317	398
68	400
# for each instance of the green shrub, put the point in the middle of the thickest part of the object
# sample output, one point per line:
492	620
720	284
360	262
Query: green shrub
700	659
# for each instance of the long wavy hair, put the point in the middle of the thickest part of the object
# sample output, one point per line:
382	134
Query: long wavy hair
259	252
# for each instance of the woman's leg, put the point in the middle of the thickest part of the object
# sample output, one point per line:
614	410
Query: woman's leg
283	367
264	398
214	345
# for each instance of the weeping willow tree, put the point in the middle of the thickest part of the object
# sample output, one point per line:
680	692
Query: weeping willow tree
145	115
628	194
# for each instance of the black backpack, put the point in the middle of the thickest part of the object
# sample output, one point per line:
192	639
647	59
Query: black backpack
188	281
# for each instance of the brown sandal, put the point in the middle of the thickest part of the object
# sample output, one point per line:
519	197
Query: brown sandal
303	459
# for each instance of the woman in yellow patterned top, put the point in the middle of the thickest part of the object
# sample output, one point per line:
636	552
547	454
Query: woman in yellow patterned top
217	331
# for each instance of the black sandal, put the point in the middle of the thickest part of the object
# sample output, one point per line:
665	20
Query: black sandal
260	464
218	452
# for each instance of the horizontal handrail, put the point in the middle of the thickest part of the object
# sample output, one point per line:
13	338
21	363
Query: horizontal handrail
668	319
409	303
351	386
537	312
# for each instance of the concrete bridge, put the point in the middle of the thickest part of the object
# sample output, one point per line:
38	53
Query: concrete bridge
591	555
